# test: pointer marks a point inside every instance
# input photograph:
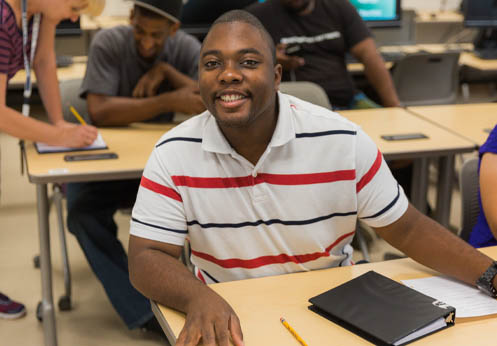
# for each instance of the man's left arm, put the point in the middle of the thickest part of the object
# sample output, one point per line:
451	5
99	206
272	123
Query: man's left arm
376	72
430	244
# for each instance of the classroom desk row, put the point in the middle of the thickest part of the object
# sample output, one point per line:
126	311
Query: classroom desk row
259	304
133	144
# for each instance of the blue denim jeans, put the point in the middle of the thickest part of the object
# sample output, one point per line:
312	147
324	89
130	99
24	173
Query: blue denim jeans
360	101
90	217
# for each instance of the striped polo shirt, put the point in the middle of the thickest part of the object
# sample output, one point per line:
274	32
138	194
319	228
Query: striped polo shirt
11	58
295	210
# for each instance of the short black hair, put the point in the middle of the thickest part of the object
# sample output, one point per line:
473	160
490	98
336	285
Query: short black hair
245	17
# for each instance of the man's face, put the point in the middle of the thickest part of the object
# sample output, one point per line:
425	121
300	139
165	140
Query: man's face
296	5
237	77
150	34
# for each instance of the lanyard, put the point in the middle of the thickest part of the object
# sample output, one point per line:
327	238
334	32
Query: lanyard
28	62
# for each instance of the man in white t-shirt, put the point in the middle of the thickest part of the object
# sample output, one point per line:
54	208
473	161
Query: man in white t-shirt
262	184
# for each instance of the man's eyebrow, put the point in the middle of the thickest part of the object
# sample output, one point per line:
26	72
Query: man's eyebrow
241	52
211	52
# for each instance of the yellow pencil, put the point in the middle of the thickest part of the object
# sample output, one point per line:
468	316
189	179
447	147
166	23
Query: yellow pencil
291	330
76	114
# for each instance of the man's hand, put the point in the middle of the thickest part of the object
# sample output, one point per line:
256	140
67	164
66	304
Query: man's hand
149	83
210	319
76	136
288	62
188	100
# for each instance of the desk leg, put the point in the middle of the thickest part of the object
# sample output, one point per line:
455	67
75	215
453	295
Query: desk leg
48	313
444	189
419	185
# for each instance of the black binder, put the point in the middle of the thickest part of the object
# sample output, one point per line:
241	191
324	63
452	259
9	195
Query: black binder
382	310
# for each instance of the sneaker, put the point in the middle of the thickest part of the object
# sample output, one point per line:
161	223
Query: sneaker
10	309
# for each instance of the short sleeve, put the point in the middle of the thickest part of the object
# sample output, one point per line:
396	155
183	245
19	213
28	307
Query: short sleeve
5	50
381	200
490	145
355	30
102	70
158	213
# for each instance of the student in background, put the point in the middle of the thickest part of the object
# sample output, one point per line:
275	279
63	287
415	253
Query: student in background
11	61
239	182
143	71
313	37
485	231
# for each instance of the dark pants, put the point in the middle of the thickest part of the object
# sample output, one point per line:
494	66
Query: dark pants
91	208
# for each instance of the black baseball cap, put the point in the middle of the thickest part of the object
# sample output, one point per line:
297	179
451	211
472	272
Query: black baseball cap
171	9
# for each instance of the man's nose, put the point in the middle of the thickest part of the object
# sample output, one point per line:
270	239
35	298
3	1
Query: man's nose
230	74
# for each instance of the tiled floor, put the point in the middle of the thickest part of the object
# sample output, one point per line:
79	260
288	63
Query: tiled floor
93	320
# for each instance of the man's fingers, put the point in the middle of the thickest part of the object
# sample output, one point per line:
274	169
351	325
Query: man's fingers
236	330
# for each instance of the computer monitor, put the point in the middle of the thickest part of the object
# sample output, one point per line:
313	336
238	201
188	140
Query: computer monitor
379	13
68	28
480	13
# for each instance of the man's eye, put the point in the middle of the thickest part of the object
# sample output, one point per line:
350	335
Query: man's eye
250	63
211	64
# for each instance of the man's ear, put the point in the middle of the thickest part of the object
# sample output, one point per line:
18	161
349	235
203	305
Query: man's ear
173	28
278	70
131	15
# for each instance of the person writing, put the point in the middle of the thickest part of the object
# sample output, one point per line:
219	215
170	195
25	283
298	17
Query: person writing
40	19
485	231
239	181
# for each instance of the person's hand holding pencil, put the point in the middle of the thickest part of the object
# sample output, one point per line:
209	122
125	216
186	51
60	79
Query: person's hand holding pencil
76	136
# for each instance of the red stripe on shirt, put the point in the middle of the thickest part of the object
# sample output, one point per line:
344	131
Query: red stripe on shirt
200	276
370	174
275	179
161	189
268	260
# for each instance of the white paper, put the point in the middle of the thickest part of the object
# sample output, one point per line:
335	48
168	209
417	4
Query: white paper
468	301
98	143
436	325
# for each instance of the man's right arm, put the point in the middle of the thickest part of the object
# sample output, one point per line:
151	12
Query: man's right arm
117	111
208	316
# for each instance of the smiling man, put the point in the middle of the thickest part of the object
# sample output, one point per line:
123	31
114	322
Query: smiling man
262	184
143	71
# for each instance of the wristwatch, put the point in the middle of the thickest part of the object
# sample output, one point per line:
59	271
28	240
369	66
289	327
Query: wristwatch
484	283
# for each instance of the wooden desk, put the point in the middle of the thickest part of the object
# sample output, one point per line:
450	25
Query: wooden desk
441	144
438	17
466	120
132	144
259	303
75	71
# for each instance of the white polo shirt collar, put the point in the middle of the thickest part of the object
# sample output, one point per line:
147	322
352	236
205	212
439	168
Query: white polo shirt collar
213	139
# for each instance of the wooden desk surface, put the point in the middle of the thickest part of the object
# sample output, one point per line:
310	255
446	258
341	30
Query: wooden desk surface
468	120
389	121
132	144
438	17
102	22
75	71
259	303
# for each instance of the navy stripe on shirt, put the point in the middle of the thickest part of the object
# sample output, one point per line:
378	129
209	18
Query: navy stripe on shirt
390	205
326	133
269	222
184	139
209	275
160	227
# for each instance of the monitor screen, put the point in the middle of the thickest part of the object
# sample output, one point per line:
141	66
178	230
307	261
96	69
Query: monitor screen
68	28
480	13
379	13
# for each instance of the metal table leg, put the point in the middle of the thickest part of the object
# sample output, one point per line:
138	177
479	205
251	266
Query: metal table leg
444	189
419	189
47	306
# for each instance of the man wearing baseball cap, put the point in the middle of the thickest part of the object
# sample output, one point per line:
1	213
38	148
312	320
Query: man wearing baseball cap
144	71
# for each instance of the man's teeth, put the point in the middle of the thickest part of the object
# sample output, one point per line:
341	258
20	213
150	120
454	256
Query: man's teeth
231	98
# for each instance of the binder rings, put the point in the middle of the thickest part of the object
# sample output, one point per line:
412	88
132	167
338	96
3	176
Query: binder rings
382	310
